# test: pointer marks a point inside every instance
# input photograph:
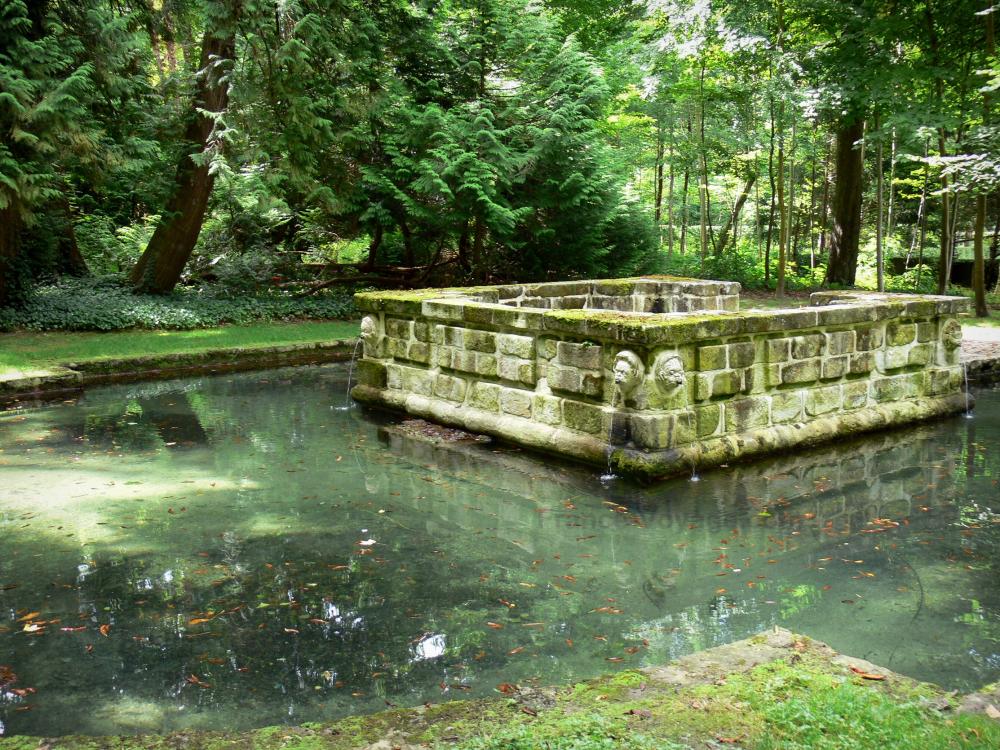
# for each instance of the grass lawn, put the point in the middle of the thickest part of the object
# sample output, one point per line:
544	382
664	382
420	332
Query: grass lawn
31	352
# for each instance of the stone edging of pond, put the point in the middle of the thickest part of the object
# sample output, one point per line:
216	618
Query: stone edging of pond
70	378
705	700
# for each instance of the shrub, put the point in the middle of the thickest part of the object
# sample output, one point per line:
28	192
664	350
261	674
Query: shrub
108	304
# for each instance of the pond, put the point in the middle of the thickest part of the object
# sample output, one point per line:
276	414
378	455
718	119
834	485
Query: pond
242	551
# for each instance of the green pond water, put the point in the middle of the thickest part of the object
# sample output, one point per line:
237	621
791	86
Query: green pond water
232	552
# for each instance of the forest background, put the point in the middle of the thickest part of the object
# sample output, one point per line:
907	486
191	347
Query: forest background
263	158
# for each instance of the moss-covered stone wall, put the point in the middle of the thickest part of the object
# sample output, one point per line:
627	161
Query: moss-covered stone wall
657	375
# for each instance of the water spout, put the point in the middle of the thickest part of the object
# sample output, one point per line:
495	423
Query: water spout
350	375
610	474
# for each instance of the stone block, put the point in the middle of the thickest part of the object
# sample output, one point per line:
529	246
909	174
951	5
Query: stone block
546	348
480	341
840	342
420	382
835	367
711	358
548	409
945	381
823	400
516	370
741	354
777	350
748	413
703	387
454	336
515	401
586	356
806	371
804	347
398	329
486	364
855	394
869	338
920	354
583	417
463	360
707	419
450	388
893	388
862	362
394	377
893	357
900	334
438	334
371	373
726	383
517	346
926	331
786	406
418	351
485	396
564	378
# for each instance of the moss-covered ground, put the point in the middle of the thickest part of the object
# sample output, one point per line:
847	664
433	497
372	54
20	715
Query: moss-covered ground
773	691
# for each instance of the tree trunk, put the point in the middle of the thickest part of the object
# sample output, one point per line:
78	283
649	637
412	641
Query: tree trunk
658	178
770	216
670	198
782	207
684	212
735	217
843	264
879	239
478	243
160	267
824	211
373	247
71	260
978	263
409	258
10	250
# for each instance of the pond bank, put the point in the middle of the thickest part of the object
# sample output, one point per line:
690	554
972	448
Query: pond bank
776	689
51	365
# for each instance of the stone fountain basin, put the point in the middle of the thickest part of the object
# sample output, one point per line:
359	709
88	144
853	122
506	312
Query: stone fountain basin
653	376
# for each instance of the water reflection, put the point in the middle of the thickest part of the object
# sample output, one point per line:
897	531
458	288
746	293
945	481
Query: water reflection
236	551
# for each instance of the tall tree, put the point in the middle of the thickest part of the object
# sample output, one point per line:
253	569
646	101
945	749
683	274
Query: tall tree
160	267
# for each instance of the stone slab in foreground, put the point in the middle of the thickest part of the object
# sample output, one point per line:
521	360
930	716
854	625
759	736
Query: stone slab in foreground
653	376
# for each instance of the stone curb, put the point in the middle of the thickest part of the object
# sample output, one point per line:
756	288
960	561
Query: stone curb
72	377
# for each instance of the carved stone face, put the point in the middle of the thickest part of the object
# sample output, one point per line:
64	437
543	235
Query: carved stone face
369	334
628	371
951	334
668	372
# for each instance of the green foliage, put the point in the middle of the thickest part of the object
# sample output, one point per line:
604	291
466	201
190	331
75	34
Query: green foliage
107	304
576	732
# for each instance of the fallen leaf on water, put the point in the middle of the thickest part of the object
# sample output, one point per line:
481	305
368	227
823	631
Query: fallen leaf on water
73	630
495	625
29	616
867	675
614	658
199	620
569	642
506	688
104	630
517	650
